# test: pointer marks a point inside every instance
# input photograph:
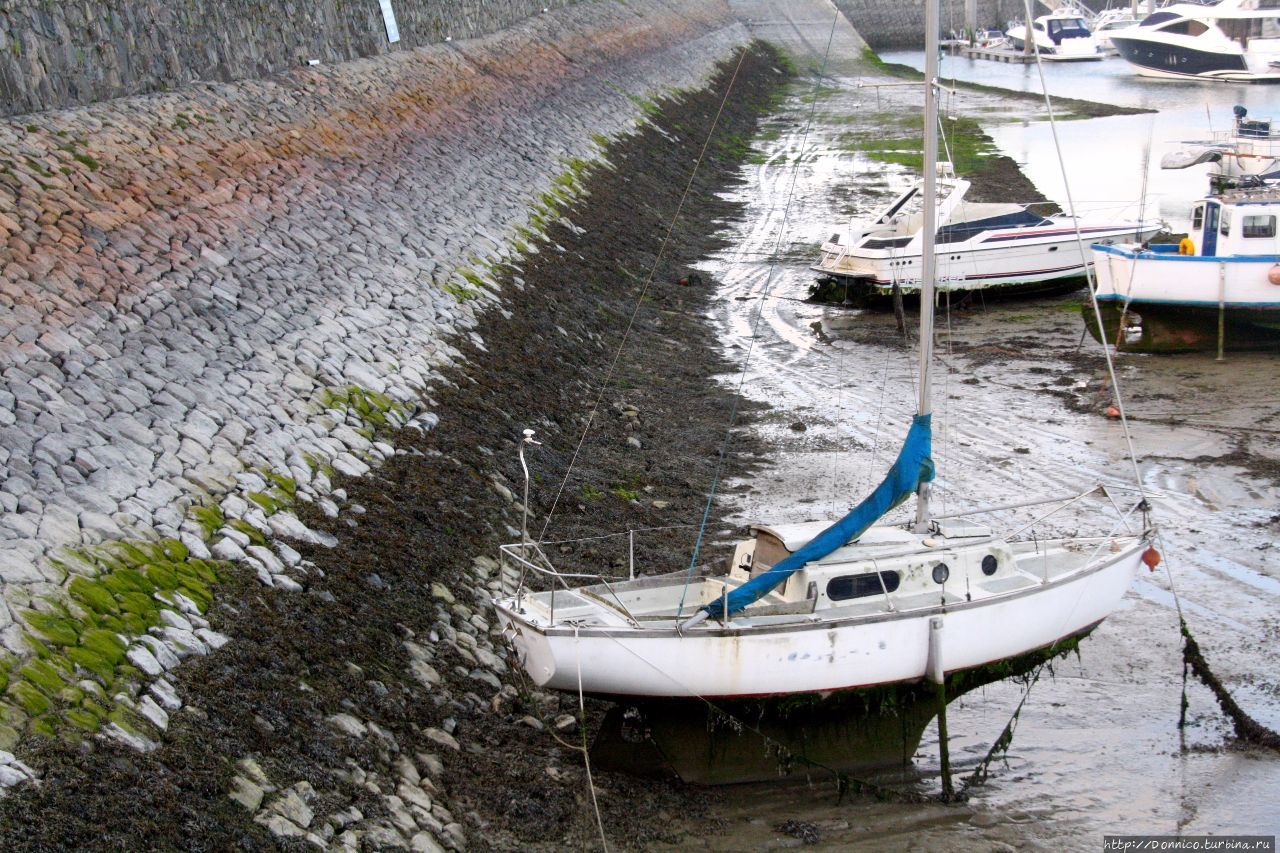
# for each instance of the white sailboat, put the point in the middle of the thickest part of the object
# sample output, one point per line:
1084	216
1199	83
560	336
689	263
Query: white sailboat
819	607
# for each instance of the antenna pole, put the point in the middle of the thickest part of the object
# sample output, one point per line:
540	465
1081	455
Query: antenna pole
928	231
524	520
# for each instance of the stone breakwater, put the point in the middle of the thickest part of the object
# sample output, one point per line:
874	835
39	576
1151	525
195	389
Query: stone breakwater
900	23
55	55
211	300
378	709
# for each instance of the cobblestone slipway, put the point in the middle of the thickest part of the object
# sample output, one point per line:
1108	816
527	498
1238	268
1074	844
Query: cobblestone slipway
207	297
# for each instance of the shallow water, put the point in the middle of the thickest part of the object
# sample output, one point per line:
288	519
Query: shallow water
1108	158
1097	748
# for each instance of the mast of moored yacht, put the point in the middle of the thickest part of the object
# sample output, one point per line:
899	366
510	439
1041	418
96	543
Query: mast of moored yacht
928	230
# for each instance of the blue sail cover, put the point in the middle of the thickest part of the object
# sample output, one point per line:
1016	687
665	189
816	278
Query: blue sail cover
913	466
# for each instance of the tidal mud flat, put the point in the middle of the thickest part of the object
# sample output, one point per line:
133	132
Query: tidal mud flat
1020	402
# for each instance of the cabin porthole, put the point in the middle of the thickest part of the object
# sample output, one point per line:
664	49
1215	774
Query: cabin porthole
941	572
989	565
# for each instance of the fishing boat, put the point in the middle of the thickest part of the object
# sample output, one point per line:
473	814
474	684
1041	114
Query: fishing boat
1220	288
1062	36
826	606
1246	155
981	246
1235	41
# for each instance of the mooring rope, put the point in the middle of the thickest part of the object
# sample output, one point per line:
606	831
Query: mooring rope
755	325
586	752
644	290
1246	728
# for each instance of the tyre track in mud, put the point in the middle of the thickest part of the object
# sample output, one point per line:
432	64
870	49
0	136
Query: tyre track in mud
1018	414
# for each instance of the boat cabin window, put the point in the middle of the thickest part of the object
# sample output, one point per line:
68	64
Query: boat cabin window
1186	28
1258	226
1038	26
1197	218
1225	227
861	586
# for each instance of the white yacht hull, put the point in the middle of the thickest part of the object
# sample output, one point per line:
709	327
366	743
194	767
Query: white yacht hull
1027	258
817	656
1178	57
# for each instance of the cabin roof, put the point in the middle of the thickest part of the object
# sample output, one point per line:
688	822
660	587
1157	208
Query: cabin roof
796	536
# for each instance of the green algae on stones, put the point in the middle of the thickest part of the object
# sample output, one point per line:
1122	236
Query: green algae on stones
79	640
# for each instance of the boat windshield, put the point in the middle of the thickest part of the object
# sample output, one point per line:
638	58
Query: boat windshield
1068	28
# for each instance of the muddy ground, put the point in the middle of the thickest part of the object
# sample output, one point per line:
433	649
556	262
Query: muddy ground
594	284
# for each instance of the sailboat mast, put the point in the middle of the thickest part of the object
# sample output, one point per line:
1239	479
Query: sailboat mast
928	230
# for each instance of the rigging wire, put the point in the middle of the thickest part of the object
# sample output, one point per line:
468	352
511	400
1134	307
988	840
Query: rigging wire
644	290
1245	726
755	325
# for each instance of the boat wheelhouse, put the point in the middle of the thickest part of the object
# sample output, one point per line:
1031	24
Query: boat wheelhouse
1108	23
981	246
1233	41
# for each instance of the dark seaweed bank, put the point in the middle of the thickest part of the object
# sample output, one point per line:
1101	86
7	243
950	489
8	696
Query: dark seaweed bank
411	529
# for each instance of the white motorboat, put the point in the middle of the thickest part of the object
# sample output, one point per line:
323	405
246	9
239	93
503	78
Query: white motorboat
819	607
1062	36
1221	287
1247	154
1109	22
1233	41
981	246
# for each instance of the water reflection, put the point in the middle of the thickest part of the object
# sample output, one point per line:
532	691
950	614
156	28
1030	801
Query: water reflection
1114	162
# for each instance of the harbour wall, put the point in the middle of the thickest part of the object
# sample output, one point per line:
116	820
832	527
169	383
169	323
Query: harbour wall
900	23
72	52
210	299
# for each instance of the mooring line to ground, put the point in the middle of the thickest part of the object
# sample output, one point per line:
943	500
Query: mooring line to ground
644	290
1246	728
755	325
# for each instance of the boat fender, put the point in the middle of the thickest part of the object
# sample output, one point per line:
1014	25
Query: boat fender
1113	411
1186	246
1151	557
1273	274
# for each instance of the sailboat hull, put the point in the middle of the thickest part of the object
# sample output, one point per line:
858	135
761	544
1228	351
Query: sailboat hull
818	656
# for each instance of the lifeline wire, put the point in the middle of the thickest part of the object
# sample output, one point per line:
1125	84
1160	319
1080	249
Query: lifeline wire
644	290
755	326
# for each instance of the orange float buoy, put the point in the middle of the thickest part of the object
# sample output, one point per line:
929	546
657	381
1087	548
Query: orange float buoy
1113	412
1152	558
1273	274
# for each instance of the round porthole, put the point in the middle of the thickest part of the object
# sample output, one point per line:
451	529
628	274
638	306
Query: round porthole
941	572
989	565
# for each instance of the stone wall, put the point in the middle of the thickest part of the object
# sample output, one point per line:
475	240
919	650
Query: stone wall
80	51
210	299
900	23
